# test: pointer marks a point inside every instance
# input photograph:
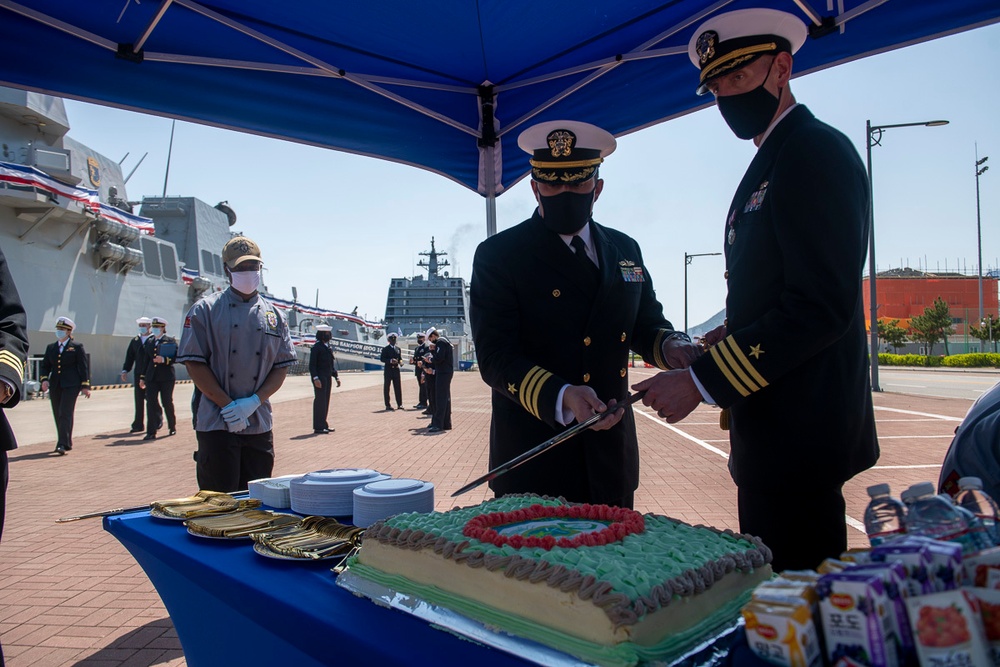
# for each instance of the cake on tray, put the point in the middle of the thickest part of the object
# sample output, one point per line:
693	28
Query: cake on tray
605	584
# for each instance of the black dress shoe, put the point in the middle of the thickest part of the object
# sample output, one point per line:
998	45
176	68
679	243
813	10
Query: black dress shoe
434	429
138	430
419	406
61	451
150	437
400	407
321	431
428	412
173	431
388	408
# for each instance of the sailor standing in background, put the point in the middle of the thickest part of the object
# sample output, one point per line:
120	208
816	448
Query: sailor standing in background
323	370
392	357
444	370
135	355
13	354
66	375
158	379
418	362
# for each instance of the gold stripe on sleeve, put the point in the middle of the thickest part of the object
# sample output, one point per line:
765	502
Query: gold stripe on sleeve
745	362
532	389
727	345
658	359
724	367
11	359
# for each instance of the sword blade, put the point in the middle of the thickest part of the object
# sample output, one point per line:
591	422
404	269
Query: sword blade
545	446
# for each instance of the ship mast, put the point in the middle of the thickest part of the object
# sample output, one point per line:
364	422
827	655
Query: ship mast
433	264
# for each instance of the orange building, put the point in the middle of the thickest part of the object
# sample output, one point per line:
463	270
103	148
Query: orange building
905	293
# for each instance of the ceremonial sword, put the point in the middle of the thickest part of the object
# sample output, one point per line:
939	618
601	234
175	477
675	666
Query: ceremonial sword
119	510
548	444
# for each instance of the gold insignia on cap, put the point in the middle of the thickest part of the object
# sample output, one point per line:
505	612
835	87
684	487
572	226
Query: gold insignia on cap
243	247
705	48
511	388
561	143
755	351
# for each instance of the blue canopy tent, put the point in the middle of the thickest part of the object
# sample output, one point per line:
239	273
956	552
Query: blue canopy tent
445	85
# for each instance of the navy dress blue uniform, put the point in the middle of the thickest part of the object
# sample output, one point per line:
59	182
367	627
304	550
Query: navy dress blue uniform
392	357
13	355
160	379
322	367
539	323
418	356
793	369
444	371
135	355
66	368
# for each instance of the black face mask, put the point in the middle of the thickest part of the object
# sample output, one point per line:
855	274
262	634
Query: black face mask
567	212
748	114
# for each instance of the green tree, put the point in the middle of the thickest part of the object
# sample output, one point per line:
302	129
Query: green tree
933	326
988	332
892	334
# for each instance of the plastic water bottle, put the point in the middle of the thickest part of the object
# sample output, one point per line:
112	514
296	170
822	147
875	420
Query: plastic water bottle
972	497
885	516
936	517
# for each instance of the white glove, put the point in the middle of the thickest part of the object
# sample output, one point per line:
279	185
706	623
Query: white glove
240	410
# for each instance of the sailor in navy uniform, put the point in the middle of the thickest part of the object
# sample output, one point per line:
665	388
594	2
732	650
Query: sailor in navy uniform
323	370
135	355
158	379
444	371
418	370
392	357
791	362
13	355
66	375
556	304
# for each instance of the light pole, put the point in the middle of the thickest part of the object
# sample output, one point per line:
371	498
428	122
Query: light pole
687	260
980	170
874	137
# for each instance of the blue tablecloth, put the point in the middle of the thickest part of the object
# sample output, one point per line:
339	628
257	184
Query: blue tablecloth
231	606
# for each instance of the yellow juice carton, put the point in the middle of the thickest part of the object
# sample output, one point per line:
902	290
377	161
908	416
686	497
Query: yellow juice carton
782	631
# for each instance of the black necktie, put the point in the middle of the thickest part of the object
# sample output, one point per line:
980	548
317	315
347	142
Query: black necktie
581	255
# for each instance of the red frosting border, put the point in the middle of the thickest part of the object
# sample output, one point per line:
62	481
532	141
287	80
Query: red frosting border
624	522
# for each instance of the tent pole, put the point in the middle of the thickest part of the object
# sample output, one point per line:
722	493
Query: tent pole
491	215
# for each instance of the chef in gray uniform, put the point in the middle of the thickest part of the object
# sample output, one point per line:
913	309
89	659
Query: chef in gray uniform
237	349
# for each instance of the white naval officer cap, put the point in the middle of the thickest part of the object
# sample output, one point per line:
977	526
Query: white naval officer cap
565	151
159	322
737	38
144	320
65	323
324	327
430	331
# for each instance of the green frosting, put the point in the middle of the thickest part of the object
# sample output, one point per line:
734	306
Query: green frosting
663	552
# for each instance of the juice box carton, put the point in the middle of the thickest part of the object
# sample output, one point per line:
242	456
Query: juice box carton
781	630
948	629
856	618
945	569
971	563
832	565
894	578
916	560
989	611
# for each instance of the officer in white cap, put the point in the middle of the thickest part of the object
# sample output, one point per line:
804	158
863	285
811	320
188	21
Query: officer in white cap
66	375
790	365
560	271
158	379
135	355
323	370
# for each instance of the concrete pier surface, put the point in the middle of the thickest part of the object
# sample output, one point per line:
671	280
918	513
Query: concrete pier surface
70	594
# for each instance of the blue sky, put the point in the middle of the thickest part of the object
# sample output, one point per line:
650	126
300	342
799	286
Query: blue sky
346	225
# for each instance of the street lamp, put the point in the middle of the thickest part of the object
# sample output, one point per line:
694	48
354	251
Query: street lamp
980	170
687	260
874	135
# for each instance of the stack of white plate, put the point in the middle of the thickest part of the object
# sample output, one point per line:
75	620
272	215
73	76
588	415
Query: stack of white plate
328	492
382	499
273	491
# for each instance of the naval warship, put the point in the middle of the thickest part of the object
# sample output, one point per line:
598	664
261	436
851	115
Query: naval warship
77	247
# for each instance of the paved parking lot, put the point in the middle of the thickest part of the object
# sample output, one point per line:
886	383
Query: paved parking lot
71	595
